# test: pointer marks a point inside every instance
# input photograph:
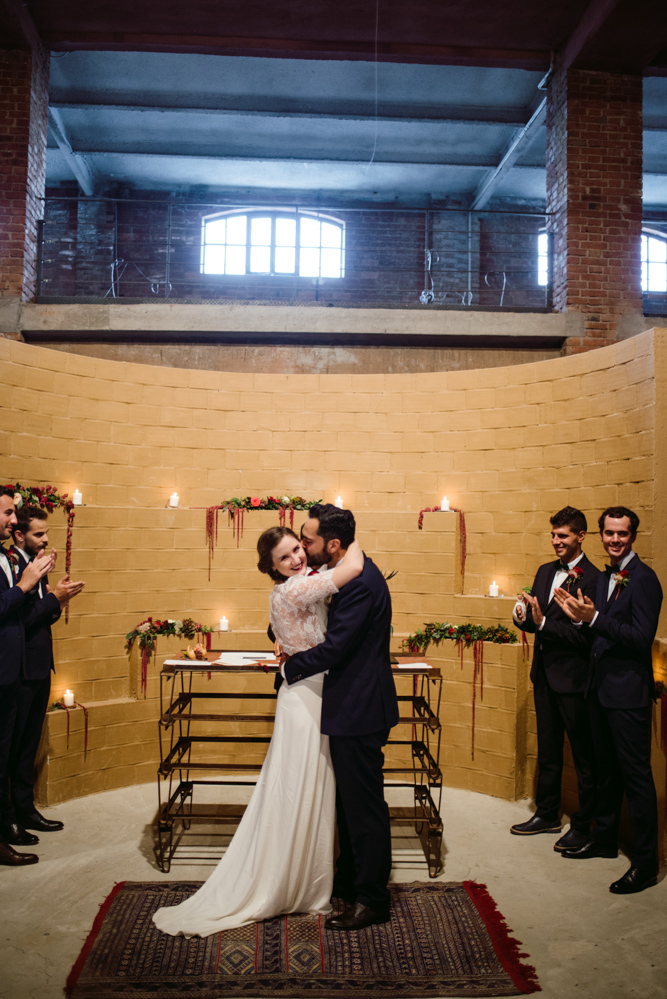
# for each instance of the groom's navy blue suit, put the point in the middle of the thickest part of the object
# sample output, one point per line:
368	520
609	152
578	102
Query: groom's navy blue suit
621	691
359	706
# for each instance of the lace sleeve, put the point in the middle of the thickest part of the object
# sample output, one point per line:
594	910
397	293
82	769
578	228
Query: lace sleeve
304	591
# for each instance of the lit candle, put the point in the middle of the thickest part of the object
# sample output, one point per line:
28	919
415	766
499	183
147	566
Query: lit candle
493	589
69	698
77	498
339	502
224	623
445	503
174	499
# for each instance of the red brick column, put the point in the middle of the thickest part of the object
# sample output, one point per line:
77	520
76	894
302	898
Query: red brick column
594	192
24	96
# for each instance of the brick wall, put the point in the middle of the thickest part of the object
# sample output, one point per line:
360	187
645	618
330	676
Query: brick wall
508	445
24	82
594	192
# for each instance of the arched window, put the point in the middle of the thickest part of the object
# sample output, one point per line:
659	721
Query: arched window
273	242
654	261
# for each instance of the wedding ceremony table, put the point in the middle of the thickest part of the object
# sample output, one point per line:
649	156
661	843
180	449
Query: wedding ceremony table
185	685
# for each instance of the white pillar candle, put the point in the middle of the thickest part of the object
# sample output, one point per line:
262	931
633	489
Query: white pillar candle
224	624
339	503
174	499
69	698
445	503
493	589
77	498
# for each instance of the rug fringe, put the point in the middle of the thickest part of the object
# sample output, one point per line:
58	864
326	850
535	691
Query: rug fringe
77	967
507	947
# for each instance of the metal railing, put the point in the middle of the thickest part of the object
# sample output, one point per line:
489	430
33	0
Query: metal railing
140	249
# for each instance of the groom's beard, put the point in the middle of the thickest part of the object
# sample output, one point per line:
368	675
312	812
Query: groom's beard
315	560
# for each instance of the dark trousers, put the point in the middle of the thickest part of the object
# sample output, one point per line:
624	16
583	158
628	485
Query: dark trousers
32	702
364	832
557	714
623	741
8	706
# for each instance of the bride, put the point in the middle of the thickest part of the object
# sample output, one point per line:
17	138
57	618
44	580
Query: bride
281	857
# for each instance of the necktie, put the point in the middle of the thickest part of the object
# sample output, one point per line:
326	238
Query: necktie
312	572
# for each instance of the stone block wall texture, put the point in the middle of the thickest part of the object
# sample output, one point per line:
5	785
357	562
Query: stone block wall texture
594	195
507	445
24	88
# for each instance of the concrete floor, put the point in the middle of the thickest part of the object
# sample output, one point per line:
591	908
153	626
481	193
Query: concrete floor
582	940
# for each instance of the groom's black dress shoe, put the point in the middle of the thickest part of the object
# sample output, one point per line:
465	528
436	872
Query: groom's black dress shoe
358	916
572	840
12	858
16	834
635	879
37	821
591	849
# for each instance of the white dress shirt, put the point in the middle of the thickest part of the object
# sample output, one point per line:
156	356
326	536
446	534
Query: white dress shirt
6	567
612	585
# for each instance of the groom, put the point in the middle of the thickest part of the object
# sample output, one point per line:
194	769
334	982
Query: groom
359	707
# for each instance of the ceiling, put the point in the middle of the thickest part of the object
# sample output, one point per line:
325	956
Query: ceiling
248	99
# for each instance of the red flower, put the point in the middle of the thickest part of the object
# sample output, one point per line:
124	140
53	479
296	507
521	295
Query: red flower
255	501
624	573
576	571
451	631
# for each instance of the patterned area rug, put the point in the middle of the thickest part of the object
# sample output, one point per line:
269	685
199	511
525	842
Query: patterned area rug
444	939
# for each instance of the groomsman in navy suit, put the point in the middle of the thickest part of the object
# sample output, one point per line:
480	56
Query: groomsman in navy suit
42	608
559	674
13	593
359	707
623	621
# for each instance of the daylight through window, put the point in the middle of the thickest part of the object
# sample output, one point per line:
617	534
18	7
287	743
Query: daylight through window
654	263
273	243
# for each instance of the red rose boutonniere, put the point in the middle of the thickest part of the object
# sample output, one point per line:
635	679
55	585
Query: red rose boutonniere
572	576
620	580
12	558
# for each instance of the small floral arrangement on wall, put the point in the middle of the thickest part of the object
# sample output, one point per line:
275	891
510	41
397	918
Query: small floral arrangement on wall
147	633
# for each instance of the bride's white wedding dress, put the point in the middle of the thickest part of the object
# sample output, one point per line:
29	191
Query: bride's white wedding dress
281	857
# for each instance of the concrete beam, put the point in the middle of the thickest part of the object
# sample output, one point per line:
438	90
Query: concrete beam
491	182
75	161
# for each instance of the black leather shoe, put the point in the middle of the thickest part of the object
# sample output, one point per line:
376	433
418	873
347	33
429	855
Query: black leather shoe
11	858
535	825
358	916
635	879
16	834
591	849
37	821
572	840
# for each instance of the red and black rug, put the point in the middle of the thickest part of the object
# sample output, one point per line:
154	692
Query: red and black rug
444	939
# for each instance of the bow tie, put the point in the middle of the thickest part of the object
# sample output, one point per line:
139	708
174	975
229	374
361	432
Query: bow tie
563	567
312	572
611	568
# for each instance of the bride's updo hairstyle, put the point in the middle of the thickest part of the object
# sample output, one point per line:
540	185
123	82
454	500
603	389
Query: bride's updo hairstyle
268	540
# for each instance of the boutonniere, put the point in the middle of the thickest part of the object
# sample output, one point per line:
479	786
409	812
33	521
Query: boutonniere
12	558
573	575
620	580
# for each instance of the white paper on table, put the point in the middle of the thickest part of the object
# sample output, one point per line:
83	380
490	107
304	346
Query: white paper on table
414	666
243	658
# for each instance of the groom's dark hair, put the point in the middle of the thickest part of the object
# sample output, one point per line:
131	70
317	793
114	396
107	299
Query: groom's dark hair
617	513
334	523
570	517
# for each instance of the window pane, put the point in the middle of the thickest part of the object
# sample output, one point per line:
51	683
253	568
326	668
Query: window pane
309	262
235	260
215	231
657	277
331	234
236	230
260	259
284	259
260	232
285	232
214	260
331	263
310	232
657	250
644	276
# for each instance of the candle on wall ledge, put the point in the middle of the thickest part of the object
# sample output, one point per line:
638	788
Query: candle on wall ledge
445	503
339	502
493	589
69	698
174	500
224	623
77	498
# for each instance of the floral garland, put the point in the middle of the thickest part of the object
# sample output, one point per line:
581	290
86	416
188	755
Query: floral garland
147	634
235	509
48	498
64	707
462	531
465	635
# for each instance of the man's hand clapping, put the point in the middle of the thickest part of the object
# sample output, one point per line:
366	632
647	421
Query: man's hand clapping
580	609
33	572
65	589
